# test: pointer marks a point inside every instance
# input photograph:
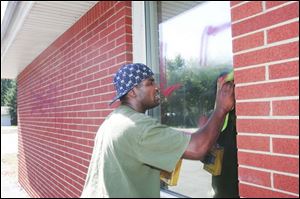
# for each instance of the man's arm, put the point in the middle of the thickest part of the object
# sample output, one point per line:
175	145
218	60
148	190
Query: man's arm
203	140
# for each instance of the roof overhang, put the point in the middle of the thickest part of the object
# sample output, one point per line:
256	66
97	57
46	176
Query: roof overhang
29	27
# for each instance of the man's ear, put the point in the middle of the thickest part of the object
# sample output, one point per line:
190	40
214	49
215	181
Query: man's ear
131	93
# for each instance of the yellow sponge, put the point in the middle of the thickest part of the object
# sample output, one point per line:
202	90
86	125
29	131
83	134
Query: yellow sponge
229	77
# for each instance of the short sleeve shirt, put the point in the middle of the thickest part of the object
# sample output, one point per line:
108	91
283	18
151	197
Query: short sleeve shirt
130	150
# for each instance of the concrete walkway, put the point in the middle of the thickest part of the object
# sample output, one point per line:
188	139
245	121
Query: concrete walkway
193	181
10	188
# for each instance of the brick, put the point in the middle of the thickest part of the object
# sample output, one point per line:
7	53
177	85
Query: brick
246	10
105	113
108	13
253	108
285	146
286	183
100	58
233	3
92	54
116	16
273	89
128	3
123	21
120	49
271	4
122	4
283	32
107	47
128	29
257	143
248	191
107	97
108	63
100	43
269	126
108	30
248	42
102	26
92	69
93	40
254	176
124	38
93	25
277	163
274	53
59	131
105	5
101	106
250	75
86	37
286	107
276	16
102	89
93	99
121	58
117	33
284	70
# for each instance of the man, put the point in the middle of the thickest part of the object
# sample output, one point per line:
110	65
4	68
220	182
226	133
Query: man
132	148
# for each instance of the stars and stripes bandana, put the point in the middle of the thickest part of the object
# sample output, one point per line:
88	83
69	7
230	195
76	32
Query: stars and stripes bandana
128	76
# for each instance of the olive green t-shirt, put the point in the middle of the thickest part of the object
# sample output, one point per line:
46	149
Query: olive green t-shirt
130	150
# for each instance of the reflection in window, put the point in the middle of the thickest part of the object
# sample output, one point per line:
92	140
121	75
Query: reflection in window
195	48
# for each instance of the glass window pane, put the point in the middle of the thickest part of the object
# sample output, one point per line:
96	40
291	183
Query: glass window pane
195	47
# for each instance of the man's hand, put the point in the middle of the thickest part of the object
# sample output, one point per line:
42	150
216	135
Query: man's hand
225	96
203	139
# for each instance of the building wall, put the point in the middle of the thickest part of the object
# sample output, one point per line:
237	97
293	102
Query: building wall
64	94
266	68
63	98
5	120
5	116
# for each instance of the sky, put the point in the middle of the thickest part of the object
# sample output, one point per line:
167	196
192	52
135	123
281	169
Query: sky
3	8
184	34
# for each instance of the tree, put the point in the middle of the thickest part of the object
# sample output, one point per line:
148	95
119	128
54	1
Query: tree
176	64
5	86
9	98
195	98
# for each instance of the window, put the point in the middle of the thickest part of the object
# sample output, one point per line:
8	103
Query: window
189	46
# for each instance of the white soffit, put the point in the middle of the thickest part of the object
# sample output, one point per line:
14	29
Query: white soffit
30	27
170	9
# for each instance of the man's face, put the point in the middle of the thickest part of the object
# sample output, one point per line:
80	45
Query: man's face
148	93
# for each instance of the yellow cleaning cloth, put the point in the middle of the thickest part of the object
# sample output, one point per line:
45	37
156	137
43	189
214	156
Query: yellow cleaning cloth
171	178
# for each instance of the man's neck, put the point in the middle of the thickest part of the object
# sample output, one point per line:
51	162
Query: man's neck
134	106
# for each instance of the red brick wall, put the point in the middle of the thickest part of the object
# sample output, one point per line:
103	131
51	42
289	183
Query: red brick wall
63	98
266	68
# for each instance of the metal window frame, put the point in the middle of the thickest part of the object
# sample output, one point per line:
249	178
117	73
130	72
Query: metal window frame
152	47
